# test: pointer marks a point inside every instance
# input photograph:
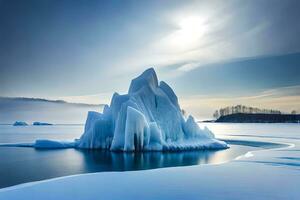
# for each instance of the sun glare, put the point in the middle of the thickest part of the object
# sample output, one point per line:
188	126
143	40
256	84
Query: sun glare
191	30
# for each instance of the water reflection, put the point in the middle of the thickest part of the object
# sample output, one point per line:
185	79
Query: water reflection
117	161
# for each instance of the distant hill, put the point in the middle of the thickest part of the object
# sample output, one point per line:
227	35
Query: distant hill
34	109
259	118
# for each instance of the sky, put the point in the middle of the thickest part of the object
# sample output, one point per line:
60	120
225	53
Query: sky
212	53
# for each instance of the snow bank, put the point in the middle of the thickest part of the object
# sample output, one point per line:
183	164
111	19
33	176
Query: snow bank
147	118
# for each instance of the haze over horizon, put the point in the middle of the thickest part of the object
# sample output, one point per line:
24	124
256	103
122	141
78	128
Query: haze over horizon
213	54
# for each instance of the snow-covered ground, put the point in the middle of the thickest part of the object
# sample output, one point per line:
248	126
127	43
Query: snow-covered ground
264	174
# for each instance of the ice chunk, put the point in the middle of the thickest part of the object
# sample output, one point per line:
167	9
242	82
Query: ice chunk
51	144
20	123
41	124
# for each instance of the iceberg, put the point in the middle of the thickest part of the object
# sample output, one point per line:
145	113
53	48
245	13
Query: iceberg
41	124
20	123
148	118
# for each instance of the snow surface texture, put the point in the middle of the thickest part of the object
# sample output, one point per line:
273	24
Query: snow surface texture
148	118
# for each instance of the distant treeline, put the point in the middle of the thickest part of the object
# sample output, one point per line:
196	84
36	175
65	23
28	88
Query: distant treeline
243	109
259	118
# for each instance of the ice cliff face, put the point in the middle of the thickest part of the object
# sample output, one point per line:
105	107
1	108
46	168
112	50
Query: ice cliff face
147	118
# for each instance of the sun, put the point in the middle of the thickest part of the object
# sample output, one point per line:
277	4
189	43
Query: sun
189	33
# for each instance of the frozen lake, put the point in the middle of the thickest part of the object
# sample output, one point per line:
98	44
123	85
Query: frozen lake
254	167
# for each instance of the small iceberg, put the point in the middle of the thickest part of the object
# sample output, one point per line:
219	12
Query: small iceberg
41	124
20	123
